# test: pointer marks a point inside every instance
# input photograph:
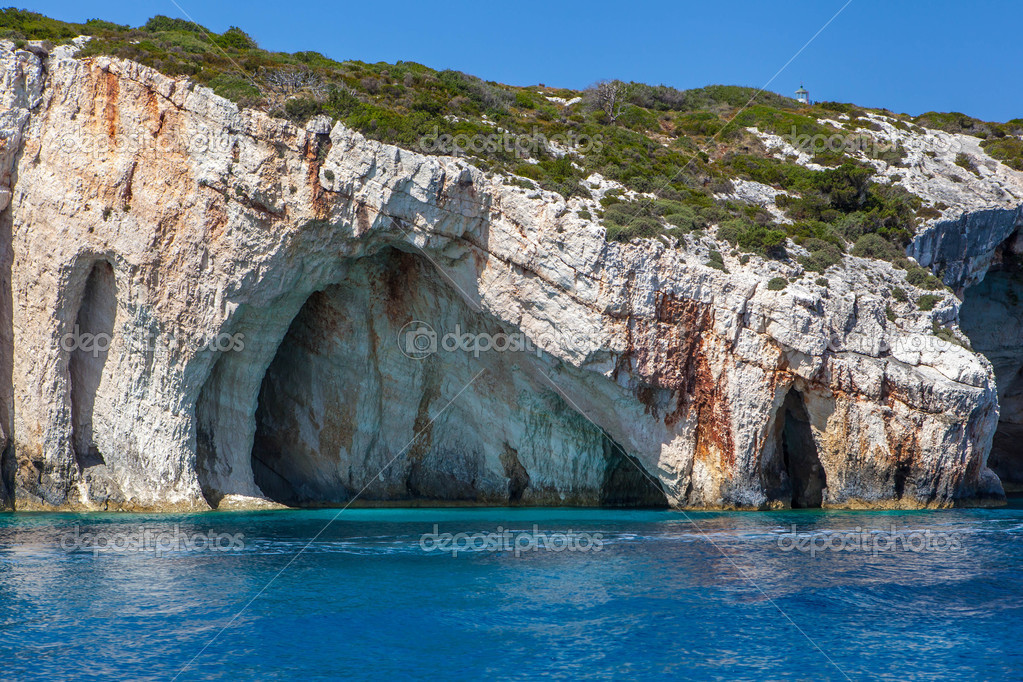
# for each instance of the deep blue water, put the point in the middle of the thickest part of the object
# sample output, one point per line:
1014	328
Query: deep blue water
656	595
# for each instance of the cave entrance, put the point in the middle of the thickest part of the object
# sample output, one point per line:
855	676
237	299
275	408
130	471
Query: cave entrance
366	396
93	333
1006	458
991	315
627	483
799	458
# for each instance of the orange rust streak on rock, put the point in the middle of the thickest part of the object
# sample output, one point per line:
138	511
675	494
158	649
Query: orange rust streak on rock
112	86
671	355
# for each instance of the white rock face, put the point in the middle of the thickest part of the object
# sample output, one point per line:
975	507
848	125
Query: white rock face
262	277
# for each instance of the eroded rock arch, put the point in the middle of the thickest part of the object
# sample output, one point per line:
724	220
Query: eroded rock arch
379	389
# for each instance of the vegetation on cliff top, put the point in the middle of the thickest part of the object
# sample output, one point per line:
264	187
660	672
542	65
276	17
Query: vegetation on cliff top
679	149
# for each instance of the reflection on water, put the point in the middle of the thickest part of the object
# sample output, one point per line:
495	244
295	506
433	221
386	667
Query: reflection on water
666	594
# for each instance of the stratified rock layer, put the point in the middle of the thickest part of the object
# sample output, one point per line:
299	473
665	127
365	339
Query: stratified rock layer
264	278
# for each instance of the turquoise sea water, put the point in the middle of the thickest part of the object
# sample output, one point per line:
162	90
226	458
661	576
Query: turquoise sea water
639	595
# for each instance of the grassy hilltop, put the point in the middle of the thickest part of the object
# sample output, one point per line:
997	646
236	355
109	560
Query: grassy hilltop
682	146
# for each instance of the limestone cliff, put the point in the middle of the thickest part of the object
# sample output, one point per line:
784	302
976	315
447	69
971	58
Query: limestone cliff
279	298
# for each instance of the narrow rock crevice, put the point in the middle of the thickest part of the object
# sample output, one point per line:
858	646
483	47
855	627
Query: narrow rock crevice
8	470
206	449
93	334
518	477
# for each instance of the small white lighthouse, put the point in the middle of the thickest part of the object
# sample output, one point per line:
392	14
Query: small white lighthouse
803	95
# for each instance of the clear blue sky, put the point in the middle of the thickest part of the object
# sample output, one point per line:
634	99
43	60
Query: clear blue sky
905	56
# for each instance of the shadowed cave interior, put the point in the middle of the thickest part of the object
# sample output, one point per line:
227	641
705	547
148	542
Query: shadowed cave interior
794	475
343	411
991	315
93	330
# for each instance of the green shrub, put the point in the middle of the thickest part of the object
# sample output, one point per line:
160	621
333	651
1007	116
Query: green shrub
822	255
1008	150
899	294
781	122
688	220
699	123
731	231
301	109
844	200
24	25
524	101
777	284
164	23
629	220
235	88
893	156
922	278
715	260
927	301
613	196
873	245
964	160
641	228
839	107
760	239
235	38
947	335
714	98
807	231
529	170
953	122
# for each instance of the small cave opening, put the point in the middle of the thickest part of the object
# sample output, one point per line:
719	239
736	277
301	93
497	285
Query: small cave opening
94	329
205	445
795	474
627	483
991	315
8	465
